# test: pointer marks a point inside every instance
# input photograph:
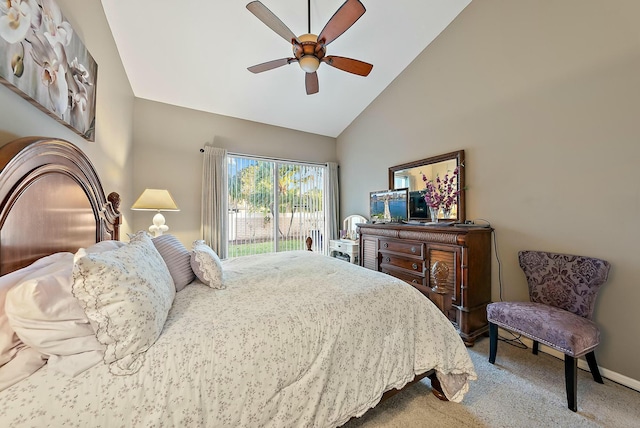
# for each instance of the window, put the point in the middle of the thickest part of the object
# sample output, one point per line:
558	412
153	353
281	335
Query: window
274	205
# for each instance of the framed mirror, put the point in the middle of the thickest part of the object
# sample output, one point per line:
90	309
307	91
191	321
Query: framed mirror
350	228
410	175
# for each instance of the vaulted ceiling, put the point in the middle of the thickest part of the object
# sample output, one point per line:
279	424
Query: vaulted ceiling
195	54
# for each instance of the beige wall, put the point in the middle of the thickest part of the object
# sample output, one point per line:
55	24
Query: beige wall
544	97
167	155
111	152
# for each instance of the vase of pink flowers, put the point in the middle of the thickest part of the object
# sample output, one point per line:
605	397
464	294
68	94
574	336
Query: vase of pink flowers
441	194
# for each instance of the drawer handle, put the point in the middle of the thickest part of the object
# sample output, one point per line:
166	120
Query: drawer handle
415	281
413	249
385	245
415	266
387	259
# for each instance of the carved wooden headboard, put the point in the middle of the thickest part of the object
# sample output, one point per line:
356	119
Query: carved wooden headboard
51	200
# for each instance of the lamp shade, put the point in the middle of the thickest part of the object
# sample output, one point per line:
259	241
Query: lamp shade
155	200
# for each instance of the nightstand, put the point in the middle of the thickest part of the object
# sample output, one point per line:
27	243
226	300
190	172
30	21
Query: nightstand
346	247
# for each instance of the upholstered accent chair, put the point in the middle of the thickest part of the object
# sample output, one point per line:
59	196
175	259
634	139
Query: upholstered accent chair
562	294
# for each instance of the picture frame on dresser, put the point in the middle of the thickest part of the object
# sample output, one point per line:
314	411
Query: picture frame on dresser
389	205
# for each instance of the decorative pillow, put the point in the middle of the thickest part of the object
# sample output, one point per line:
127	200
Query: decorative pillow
127	292
206	265
177	258
15	362
103	246
46	317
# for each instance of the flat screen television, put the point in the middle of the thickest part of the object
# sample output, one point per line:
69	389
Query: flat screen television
391	206
418	206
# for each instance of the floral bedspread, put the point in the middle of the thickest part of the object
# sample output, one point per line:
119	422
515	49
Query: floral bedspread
295	340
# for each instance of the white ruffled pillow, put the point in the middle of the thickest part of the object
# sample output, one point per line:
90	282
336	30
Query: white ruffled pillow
36	310
206	265
127	293
102	246
18	361
46	317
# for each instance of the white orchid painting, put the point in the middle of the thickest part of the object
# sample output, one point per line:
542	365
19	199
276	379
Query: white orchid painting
42	59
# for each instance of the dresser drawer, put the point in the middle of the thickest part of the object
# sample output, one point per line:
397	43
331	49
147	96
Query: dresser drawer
409	248
407	277
418	282
413	265
342	246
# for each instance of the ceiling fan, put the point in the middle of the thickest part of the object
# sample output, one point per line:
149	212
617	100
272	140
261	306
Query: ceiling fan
309	50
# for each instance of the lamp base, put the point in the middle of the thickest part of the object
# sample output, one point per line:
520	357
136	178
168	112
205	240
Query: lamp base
158	227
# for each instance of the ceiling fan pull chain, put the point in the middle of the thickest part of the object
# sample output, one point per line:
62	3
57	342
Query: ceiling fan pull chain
309	15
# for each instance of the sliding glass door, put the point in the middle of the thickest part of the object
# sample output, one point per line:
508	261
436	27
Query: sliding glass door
274	205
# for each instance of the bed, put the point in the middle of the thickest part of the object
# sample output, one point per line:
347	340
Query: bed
294	339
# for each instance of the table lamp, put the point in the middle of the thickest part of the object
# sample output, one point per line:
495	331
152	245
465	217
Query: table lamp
156	200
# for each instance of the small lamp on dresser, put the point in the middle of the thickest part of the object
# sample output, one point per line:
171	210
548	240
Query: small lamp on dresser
156	200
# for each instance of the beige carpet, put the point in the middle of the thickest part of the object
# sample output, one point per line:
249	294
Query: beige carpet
520	390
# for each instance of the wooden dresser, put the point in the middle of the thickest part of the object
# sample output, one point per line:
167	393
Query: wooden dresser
408	252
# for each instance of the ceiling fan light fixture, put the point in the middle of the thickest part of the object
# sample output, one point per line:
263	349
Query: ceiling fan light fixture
309	50
309	63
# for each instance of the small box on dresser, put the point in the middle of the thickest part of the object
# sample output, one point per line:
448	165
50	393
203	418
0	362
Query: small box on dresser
408	252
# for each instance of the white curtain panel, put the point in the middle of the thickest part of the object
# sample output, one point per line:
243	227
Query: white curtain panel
214	211
332	205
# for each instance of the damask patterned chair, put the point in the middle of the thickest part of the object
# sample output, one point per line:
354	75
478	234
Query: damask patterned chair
562	294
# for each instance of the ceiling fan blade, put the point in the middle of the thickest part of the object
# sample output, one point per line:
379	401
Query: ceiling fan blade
340	22
311	83
270	65
271	21
349	65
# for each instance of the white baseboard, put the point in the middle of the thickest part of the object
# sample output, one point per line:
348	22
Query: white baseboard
609	374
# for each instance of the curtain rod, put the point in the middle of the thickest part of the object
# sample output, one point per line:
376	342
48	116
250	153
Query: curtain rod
272	159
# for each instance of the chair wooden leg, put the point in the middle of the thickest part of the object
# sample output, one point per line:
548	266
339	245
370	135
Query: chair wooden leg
593	366
493	342
571	381
535	347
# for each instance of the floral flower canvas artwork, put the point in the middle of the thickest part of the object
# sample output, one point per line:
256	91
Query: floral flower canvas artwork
43	59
